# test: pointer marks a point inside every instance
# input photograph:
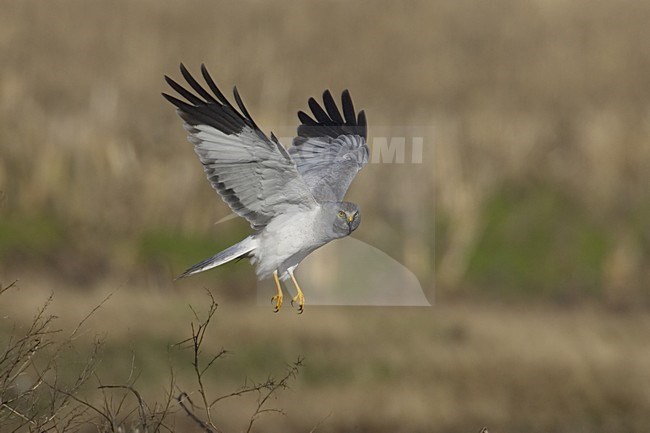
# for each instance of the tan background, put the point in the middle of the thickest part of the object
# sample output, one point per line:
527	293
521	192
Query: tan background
528	218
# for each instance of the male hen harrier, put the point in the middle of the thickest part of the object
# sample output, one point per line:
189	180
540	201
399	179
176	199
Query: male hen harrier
291	198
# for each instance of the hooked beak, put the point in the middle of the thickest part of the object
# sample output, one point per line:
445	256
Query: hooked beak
350	220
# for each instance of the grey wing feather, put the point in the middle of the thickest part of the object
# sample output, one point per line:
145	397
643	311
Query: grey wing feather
253	174
330	148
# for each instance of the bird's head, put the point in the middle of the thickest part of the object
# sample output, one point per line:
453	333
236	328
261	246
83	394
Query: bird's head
347	217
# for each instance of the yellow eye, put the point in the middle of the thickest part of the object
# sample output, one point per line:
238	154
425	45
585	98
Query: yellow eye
341	214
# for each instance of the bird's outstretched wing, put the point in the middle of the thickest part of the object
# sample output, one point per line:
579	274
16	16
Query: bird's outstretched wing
253	174
330	147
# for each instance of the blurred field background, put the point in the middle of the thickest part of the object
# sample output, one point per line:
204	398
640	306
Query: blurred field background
529	217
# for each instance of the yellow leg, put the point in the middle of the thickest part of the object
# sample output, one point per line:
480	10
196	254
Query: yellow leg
299	298
277	298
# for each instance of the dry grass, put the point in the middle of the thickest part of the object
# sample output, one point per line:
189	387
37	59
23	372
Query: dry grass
537	94
49	382
536	120
453	368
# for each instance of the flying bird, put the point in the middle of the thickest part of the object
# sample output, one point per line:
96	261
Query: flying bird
292	198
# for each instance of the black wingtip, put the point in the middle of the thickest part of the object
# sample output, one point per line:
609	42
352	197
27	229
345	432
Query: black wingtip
200	107
242	107
348	108
182	105
319	114
330	106
328	120
306	118
345	96
215	89
362	124
185	73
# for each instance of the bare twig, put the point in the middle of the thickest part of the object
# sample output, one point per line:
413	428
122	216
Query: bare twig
181	402
321	423
88	316
264	389
12	284
142	407
35	353
271	389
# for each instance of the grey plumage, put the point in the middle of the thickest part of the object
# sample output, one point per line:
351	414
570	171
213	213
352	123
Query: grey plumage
233	252
291	198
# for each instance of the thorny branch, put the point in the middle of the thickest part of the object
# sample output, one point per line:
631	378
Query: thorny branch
30	389
264	389
34	396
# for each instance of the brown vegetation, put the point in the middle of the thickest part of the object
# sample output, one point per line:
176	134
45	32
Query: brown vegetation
533	185
513	99
452	368
41	390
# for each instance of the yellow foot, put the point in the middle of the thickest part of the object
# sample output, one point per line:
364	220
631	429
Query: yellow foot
278	302
277	298
299	298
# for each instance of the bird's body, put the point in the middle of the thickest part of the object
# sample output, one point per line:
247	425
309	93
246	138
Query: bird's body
279	249
292	198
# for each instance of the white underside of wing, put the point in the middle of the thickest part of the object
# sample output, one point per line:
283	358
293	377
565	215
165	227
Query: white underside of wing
223	147
329	165
256	178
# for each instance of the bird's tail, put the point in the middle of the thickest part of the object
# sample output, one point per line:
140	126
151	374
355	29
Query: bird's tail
237	251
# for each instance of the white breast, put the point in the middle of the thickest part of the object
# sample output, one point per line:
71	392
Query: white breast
283	237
